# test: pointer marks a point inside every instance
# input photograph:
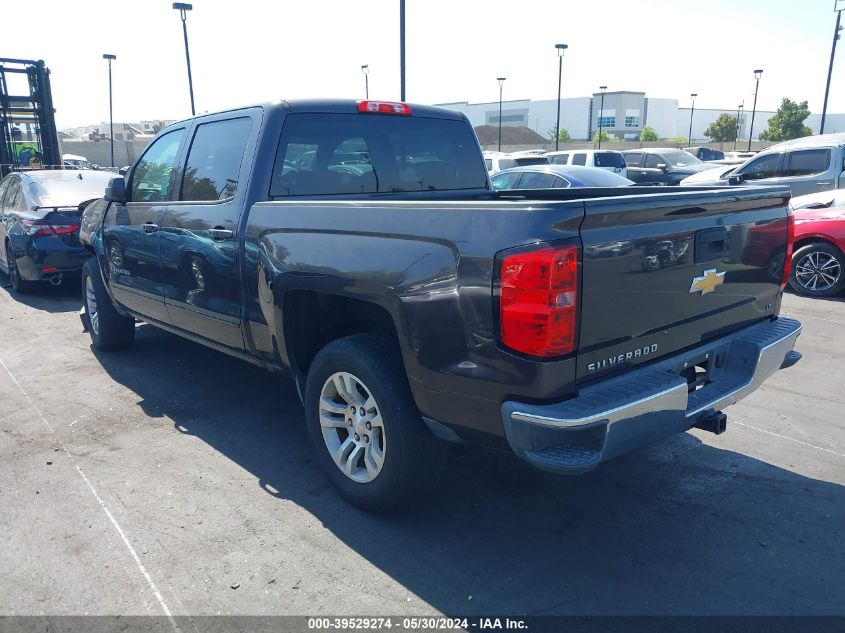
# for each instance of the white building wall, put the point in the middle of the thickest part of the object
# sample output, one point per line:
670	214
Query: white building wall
539	116
661	116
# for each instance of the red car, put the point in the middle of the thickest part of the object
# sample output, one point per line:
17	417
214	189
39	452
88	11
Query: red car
818	260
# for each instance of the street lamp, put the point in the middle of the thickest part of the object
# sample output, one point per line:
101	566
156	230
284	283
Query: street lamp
501	81
601	110
757	74
691	112
183	8
561	48
830	67
111	113
738	125
366	70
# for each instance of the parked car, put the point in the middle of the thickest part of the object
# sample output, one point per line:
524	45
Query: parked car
610	160
805	165
39	223
705	153
497	161
556	177
413	305
73	161
662	165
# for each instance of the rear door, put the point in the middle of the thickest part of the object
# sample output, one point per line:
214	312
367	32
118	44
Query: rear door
199	232
130	231
663	272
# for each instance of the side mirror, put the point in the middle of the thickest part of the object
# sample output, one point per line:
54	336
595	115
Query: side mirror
736	179
116	190
662	166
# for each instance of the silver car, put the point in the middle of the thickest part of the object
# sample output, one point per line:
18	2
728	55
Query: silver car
806	165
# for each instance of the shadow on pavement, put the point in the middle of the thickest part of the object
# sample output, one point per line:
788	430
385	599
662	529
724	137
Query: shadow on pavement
66	297
682	528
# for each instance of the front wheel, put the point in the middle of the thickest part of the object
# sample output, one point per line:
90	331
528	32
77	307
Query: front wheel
367	432
817	270
109	329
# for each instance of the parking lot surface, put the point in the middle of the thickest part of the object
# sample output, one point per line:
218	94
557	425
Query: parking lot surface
171	479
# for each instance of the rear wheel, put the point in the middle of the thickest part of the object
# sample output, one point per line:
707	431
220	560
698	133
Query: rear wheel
20	285
817	270
367	432
109	330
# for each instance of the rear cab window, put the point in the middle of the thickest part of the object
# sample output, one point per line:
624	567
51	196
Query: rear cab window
634	160
560	159
608	159
344	154
214	160
807	162
579	159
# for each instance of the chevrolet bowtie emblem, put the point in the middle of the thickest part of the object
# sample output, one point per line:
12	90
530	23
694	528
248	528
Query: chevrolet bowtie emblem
707	282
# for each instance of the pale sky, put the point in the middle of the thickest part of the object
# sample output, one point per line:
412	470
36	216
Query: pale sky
247	51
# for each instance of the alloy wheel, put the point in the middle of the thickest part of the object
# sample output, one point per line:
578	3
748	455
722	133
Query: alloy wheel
91	307
352	427
817	271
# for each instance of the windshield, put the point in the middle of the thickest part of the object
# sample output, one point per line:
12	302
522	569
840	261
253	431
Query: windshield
609	159
678	158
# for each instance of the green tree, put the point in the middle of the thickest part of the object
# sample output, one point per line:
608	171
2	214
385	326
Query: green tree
562	137
787	122
722	129
604	136
649	134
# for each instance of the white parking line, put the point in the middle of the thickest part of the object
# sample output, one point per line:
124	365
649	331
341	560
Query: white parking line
93	490
791	439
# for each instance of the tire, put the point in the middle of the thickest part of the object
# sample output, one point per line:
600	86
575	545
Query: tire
818	270
411	458
109	330
21	286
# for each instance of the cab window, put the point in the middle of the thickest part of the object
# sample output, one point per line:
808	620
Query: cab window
653	160
214	160
560	159
634	160
762	167
151	176
579	159
808	162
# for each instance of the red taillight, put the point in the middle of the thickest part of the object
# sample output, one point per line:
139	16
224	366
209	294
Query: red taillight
538	301
790	243
42	227
384	107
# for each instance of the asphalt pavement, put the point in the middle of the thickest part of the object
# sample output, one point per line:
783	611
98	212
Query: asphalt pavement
171	479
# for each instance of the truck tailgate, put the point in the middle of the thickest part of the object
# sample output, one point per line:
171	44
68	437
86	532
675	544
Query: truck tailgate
667	271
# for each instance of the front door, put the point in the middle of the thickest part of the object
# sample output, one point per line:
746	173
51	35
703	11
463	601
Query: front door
199	234
131	230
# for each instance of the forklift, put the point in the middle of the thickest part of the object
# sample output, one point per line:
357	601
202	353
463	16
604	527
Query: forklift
28	135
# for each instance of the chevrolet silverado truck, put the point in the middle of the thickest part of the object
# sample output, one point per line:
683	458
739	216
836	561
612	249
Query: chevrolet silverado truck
358	248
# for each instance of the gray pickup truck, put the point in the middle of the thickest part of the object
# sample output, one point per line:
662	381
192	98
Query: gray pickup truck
358	248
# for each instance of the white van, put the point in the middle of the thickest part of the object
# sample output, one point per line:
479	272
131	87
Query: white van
601	158
497	161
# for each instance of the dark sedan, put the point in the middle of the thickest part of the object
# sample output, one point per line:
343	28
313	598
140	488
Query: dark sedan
662	165
556	177
39	223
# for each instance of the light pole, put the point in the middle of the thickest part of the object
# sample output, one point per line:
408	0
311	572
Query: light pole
109	57
183	8
366	70
560	50
830	67
402	50
738	125
757	74
601	110
691	112
501	81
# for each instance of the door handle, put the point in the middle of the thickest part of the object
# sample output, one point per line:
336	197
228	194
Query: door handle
149	227
823	184
219	233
